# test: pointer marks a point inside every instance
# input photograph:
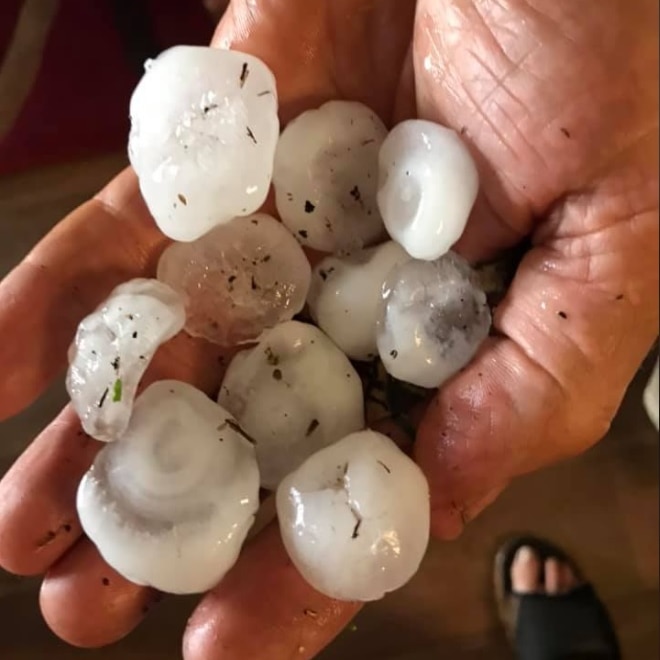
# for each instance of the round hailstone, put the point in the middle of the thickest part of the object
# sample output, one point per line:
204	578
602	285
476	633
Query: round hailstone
204	128
294	393
344	299
112	349
355	517
427	185
169	504
325	176
433	320
238	279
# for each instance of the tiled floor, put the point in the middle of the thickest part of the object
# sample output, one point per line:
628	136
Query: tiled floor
602	506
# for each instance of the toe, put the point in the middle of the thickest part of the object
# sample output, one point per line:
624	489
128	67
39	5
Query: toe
525	571
553	576
567	579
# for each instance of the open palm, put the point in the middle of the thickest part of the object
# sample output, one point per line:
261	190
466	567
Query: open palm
558	102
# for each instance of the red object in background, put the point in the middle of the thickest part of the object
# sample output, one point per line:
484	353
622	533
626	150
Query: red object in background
86	68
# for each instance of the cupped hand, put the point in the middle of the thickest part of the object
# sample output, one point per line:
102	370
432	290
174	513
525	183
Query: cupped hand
559	105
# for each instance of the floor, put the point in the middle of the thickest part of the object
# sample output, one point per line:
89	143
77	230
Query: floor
602	506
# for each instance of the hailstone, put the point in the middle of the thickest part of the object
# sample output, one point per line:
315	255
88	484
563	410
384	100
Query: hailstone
427	185
204	128
112	349
239	279
325	176
433	319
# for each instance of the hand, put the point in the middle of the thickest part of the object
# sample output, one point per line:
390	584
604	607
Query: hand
558	103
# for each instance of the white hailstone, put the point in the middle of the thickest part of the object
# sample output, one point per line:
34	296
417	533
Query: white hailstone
355	517
294	393
112	349
325	176
170	503
344	299
239	279
427	185
433	319
204	128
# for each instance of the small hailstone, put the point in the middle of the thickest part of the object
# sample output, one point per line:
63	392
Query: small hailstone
427	185
294	393
204	128
112	349
355	517
239	279
344	299
433	320
325	176
170	503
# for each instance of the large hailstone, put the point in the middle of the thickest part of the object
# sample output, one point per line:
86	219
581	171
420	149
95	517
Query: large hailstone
204	128
344	299
112	349
294	393
433	319
239	279
427	185
325	176
170	503
355	517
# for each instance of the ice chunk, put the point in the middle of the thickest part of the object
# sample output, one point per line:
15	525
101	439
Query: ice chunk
344	299
433	320
427	185
112	349
204	128
239	279
294	393
355	517
325	176
170	503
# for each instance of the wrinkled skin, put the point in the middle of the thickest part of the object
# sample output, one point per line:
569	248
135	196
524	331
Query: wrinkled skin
558	102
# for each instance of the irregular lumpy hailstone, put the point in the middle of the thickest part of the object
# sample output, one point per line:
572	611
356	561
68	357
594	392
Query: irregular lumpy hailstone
112	349
170	503
433	320
239	279
427	185
204	128
344	299
355	517
325	176
294	393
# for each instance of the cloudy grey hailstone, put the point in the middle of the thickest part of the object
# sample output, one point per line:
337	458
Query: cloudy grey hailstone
427	185
344	299
433	320
239	279
112	349
170	503
294	393
204	128
355	517
325	176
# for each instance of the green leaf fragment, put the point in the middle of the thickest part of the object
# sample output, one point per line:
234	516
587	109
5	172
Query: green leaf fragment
116	391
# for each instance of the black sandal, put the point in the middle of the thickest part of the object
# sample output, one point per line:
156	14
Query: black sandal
570	626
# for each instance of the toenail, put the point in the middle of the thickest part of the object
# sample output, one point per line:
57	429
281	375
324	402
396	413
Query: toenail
524	555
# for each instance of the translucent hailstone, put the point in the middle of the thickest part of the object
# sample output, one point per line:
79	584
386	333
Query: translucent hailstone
325	176
204	128
355	517
294	393
170	503
112	349
427	185
344	299
239	279
433	320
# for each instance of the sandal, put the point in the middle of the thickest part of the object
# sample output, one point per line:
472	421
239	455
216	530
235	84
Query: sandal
569	626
